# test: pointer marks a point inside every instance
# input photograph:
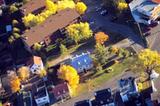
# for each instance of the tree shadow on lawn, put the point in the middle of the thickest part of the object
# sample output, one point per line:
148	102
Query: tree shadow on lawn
88	45
85	76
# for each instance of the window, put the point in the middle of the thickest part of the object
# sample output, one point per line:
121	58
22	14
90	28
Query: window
79	63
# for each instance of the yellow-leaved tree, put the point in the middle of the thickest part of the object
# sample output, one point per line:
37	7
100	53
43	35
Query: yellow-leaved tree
23	73
51	6
63	4
30	20
42	73
69	74
79	31
81	7
122	6
150	59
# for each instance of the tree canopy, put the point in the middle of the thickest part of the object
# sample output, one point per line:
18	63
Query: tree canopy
100	54
69	74
150	59
23	73
63	4
101	37
81	7
51	6
63	49
79	31
14	82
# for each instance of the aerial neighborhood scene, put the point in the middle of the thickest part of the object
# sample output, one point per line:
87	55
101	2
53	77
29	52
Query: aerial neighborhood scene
79	52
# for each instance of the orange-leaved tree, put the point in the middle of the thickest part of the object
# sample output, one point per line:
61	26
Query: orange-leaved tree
68	73
14	82
101	37
23	73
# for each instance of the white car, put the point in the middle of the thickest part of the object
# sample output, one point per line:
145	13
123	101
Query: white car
103	12
98	9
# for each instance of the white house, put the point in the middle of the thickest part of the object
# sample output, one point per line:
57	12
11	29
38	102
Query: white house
36	64
42	97
145	11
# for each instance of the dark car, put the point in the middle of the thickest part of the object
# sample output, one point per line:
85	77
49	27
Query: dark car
83	103
113	18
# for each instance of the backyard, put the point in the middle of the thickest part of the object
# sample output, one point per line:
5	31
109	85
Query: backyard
97	79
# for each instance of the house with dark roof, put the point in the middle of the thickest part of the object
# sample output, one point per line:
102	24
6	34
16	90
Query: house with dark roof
53	27
145	11
104	97
27	99
41	97
82	62
128	89
60	91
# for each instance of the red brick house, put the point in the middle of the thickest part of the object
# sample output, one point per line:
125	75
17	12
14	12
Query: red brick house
60	91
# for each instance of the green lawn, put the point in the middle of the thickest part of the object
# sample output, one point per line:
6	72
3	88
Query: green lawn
102	76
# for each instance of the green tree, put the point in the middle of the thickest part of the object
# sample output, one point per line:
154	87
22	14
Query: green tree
16	30
15	22
13	8
11	39
16	35
100	54
63	49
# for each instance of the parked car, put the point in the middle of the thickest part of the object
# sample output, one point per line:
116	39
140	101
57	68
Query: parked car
91	22
83	103
113	18
98	9
103	12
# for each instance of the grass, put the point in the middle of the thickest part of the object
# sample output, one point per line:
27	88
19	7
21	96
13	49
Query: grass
50	60
102	76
